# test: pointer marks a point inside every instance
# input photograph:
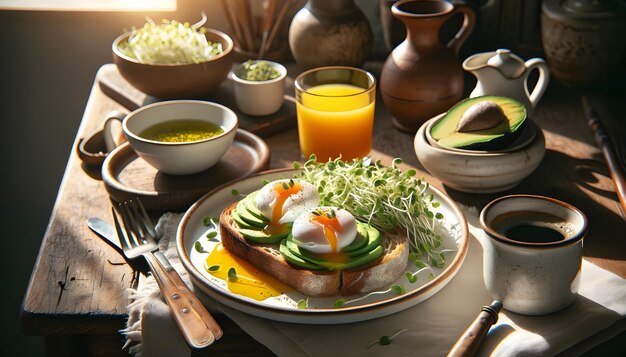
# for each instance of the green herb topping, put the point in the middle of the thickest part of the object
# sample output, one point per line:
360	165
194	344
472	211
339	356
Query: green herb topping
170	42
382	196
396	288
199	248
386	340
214	267
257	71
303	303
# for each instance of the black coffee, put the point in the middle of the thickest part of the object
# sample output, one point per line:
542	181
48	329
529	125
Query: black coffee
532	227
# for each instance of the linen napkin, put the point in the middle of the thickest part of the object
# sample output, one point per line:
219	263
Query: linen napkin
432	327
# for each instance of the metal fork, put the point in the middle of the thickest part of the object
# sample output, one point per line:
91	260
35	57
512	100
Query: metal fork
137	239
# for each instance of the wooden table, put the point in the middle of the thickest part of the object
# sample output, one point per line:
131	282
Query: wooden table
77	294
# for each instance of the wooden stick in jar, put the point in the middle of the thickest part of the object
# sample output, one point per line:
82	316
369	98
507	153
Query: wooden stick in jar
279	19
233	24
605	144
266	25
247	25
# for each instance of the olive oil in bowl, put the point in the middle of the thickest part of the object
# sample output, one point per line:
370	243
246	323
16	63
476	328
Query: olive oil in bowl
181	131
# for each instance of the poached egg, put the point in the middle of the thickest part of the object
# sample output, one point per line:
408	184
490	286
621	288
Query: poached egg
324	230
282	201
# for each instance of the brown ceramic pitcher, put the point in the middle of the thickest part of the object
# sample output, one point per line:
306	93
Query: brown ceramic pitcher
423	77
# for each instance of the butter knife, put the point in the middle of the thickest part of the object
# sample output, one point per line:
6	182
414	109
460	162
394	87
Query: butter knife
104	230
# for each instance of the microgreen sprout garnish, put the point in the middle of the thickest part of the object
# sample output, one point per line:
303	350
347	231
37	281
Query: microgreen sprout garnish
232	274
235	192
210	221
330	214
412	276
386	340
212	236
198	247
339	303
257	71
397	288
382	196
214	267
423	267
265	182
170	42
303	303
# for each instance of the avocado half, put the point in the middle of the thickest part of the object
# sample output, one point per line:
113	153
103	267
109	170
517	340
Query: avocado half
480	123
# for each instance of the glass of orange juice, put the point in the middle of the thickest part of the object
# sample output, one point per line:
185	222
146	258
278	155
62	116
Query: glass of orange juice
335	109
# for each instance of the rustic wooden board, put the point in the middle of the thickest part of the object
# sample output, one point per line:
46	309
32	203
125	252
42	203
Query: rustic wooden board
116	87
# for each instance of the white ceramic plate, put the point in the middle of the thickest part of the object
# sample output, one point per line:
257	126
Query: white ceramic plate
320	310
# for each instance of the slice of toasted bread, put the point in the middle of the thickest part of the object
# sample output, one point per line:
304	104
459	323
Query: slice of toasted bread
266	257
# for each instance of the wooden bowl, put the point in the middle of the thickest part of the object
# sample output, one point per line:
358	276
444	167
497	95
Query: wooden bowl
172	81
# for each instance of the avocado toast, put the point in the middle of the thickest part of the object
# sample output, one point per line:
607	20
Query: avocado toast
371	260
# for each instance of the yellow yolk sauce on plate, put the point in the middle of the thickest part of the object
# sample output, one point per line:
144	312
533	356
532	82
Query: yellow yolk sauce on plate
250	281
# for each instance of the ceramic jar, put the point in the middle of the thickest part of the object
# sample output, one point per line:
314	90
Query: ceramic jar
583	39
330	33
422	77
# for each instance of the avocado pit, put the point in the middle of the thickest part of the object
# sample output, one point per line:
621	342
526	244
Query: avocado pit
480	116
480	123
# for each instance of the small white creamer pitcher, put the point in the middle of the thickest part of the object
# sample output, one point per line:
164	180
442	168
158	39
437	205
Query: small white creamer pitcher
503	73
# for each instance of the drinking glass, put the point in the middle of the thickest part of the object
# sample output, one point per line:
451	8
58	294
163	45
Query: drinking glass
335	109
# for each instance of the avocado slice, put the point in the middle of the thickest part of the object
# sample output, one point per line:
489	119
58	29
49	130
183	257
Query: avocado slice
245	215
354	262
480	123
359	241
252	224
260	236
296	260
373	241
250	204
367	253
241	223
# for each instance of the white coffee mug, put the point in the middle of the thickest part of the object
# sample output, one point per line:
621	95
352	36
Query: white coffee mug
530	276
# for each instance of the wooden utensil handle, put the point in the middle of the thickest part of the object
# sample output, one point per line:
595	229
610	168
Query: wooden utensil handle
468	343
196	324
610	157
470	340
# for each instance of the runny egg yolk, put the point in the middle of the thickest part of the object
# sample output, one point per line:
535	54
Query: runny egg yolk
331	225
282	201
250	281
325	230
283	191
